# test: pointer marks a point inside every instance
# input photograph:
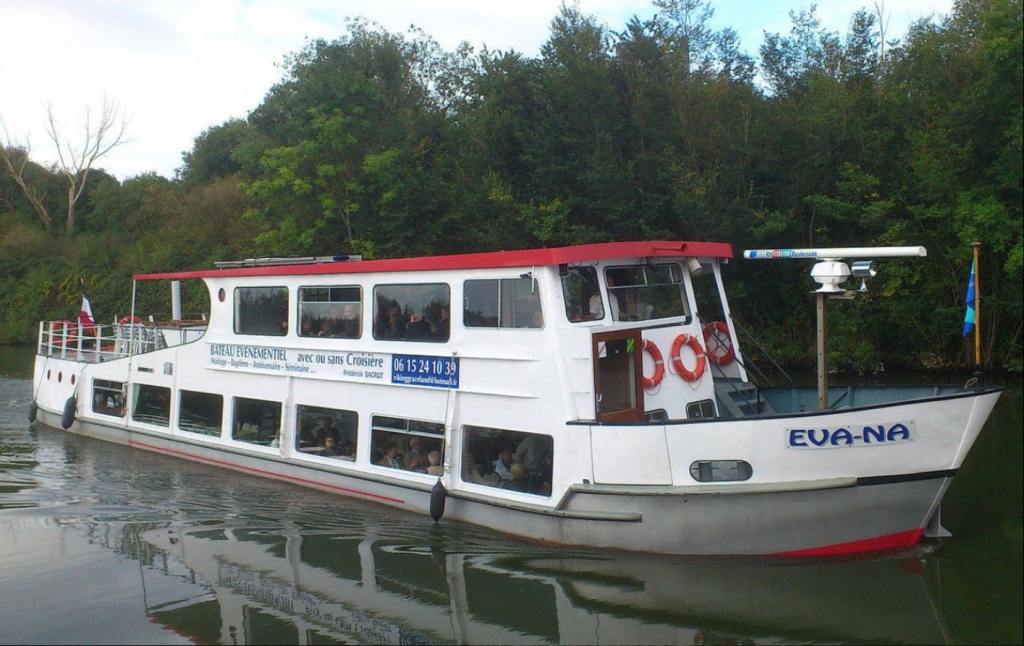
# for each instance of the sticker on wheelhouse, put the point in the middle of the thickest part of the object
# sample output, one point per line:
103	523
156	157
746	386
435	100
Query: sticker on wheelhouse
415	370
850	436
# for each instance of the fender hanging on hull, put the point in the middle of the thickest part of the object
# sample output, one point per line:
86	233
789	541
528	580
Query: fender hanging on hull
70	406
437	497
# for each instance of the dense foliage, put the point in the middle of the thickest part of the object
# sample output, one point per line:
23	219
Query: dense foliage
387	145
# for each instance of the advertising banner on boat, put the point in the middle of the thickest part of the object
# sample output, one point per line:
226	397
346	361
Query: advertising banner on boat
365	367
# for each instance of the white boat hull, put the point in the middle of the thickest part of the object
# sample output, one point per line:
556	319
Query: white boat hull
835	501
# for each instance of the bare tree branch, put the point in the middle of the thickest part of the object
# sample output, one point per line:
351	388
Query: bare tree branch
75	164
15	159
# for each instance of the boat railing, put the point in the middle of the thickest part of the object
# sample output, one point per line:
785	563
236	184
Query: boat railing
98	342
750	366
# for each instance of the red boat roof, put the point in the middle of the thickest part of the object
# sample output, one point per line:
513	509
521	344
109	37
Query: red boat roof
523	258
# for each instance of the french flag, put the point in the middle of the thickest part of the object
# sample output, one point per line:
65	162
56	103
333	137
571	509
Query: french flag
85	318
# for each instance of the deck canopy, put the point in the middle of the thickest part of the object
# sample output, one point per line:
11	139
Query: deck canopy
495	259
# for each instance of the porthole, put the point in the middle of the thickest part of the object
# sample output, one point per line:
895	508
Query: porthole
48	376
221	295
721	470
60	377
72	380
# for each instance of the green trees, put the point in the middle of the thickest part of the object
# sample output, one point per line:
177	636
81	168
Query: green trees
385	145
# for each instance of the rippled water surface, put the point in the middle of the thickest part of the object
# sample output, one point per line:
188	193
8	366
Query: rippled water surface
103	544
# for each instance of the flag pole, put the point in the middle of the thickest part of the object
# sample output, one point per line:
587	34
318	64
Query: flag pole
977	312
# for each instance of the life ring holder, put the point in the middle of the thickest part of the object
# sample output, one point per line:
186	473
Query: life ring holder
720	350
677	362
659	365
125	320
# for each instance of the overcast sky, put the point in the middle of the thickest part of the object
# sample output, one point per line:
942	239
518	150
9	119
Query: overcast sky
178	67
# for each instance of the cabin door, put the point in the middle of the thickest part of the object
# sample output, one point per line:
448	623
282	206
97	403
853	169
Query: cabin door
617	377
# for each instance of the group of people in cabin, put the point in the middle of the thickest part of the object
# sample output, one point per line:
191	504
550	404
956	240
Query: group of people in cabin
504	459
523	466
417	457
322	437
394	323
342	323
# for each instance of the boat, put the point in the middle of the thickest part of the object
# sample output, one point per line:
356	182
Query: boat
594	396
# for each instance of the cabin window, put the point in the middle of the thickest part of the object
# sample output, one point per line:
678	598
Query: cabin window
412	312
108	397
261	311
333	312
702	409
581	293
152	404
502	303
329	432
256	421
507	459
721	470
200	412
409	444
645	292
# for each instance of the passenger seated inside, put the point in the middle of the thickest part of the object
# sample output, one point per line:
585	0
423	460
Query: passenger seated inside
390	453
417	328
435	468
503	465
331	448
348	326
307	434
415	459
393	327
470	471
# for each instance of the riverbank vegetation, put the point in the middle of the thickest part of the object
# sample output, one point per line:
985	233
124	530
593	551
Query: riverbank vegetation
386	145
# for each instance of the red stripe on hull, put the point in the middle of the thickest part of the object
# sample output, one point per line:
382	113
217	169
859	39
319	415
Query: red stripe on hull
878	544
263	472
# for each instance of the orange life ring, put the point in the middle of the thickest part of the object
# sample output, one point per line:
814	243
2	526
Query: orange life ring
698	370
134	320
718	342
659	364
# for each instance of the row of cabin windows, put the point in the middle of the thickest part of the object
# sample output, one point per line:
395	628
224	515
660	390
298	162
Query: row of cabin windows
508	459
494	457
422	312
400	312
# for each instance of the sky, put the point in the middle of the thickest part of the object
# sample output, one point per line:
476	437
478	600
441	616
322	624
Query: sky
175	68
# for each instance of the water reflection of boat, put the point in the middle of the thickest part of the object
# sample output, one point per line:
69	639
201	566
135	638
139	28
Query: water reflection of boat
256	585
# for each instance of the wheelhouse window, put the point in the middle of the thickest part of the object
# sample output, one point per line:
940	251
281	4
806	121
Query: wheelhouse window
409	444
644	292
152	404
108	397
200	412
412	312
333	312
256	421
502	303
513	460
581	293
261	311
329	432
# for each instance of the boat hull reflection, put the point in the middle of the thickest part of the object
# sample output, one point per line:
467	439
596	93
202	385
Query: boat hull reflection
320	587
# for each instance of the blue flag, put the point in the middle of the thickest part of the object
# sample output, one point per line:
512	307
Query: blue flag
969	314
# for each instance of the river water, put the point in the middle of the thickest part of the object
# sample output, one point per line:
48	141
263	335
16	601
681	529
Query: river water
103	544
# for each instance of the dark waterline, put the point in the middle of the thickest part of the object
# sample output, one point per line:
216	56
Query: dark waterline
104	544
